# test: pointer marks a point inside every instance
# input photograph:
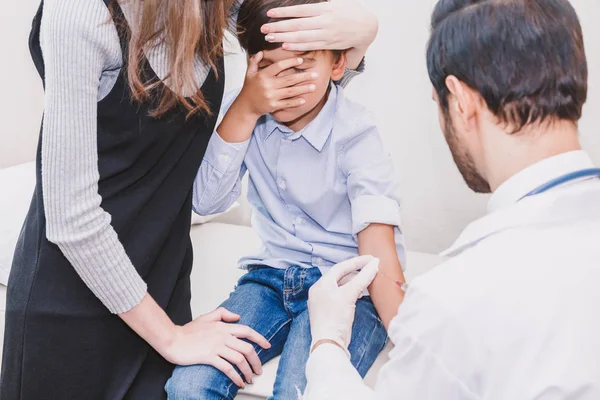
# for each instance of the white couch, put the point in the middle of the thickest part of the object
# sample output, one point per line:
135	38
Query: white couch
217	247
436	203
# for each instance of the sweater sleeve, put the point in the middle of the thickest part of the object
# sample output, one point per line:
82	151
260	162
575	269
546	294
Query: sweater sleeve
79	42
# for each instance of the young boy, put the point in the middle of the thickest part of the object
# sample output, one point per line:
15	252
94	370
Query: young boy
322	190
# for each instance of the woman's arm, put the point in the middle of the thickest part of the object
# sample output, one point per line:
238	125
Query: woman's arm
78	45
332	25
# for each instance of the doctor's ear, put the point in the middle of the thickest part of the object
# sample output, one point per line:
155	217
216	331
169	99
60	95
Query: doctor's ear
465	99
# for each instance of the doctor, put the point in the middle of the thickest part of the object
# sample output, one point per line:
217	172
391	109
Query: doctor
515	314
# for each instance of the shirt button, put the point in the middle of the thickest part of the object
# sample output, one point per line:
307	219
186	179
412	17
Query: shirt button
319	260
289	139
282	185
299	220
225	158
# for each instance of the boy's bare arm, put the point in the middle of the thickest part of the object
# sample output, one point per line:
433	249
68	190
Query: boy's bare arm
378	240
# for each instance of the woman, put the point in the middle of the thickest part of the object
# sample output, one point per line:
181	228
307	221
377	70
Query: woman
99	298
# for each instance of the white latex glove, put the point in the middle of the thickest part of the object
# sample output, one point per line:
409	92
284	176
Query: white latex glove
331	306
332	25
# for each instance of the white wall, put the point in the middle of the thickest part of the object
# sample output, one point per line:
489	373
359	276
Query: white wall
437	204
21	99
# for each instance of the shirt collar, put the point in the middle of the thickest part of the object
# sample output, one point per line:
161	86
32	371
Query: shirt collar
317	132
506	211
536	175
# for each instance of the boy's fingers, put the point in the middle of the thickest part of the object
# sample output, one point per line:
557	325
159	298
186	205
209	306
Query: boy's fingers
290	103
306	47
295	91
276	68
254	61
294	79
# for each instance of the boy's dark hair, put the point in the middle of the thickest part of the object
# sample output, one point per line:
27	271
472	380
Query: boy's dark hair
525	57
253	15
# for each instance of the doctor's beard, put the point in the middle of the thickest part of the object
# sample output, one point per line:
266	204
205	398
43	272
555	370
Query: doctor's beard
463	159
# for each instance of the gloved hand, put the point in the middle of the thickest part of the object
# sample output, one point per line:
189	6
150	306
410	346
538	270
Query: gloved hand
331	305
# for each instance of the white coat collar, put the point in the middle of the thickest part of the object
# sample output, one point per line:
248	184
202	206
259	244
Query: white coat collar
552	207
536	175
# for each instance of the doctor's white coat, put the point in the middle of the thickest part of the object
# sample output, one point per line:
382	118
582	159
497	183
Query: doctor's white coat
515	314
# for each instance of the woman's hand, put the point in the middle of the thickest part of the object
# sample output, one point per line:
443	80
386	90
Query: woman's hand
213	340
332	25
265	92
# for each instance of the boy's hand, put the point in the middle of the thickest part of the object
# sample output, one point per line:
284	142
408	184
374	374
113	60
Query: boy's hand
265	92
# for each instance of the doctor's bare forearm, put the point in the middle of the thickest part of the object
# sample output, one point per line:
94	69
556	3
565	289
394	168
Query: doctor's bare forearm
378	240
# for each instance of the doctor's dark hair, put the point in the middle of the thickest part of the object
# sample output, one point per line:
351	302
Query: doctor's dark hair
253	15
525	57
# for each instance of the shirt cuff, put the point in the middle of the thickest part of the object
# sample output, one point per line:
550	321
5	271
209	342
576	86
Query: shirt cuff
370	209
223	156
350	74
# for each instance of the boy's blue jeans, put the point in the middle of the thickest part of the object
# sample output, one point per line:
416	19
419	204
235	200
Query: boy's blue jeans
274	303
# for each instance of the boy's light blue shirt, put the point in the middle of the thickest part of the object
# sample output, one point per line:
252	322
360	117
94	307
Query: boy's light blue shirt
311	191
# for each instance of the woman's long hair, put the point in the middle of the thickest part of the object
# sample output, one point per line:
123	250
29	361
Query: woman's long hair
189	29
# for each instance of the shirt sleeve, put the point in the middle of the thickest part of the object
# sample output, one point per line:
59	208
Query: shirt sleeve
78	44
415	370
233	15
218	183
331	376
350	74
372	187
417	367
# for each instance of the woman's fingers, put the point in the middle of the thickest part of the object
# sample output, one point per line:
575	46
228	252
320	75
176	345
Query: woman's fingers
292	25
301	11
289	93
228	316
245	332
236	358
297	37
220	314
247	350
228	370
296	78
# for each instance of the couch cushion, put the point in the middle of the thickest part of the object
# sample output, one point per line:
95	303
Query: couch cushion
217	248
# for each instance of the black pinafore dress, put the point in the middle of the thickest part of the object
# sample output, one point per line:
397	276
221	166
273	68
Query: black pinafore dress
61	343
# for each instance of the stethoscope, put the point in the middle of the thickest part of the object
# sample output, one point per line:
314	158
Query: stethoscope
561	180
